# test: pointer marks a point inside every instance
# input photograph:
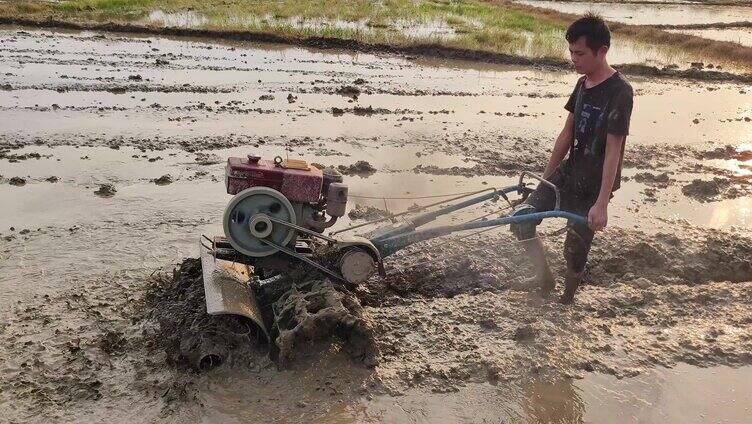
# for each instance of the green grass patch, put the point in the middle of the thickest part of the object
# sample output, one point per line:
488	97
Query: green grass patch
472	24
466	24
112	7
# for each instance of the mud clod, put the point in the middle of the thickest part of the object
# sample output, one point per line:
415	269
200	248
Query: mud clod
360	168
17	181
704	190
367	213
106	190
208	159
13	158
660	180
349	91
727	152
163	180
367	111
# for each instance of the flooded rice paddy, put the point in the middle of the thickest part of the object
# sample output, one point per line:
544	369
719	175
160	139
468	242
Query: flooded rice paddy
665	320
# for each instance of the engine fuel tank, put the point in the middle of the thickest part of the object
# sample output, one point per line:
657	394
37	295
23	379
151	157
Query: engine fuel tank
296	180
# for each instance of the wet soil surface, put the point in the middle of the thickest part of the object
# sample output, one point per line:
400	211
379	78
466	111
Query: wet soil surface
108	180
440	322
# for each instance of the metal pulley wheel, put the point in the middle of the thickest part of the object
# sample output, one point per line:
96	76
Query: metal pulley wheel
357	266
246	221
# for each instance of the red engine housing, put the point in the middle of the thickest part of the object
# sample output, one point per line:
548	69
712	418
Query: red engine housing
297	185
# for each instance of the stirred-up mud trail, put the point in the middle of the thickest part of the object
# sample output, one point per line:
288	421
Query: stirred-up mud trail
112	156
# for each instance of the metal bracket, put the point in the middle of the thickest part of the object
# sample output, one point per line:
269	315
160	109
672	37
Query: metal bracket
210	248
303	258
545	182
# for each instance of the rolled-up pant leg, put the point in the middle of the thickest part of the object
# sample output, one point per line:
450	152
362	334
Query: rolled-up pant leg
580	236
577	246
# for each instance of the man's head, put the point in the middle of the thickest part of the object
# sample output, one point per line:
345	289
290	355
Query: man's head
589	39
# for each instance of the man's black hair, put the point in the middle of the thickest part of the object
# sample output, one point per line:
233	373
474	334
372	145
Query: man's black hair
593	28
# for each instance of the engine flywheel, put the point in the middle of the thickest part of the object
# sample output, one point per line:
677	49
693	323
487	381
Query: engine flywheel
246	221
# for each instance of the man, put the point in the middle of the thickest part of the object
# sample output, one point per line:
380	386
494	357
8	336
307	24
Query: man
593	140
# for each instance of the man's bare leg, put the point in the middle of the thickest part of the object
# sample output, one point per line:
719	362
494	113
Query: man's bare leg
537	253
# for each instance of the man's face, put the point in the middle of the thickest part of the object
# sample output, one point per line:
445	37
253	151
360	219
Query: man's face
583	58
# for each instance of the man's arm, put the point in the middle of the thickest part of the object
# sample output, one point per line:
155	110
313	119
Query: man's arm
598	214
561	147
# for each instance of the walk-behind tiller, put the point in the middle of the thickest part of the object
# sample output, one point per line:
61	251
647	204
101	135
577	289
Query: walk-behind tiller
274	237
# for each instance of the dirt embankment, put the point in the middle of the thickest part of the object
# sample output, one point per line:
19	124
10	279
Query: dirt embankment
712	25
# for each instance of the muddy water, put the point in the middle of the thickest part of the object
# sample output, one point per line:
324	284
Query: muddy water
741	36
74	100
657	396
653	14
409	103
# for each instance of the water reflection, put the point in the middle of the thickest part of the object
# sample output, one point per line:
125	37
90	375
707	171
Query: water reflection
555	402
683	394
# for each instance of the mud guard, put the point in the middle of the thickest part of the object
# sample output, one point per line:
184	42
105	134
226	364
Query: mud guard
227	290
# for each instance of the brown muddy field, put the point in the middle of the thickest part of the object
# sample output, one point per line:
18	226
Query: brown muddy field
111	164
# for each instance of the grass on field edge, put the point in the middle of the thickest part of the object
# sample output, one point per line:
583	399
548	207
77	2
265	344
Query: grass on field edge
471	24
712	50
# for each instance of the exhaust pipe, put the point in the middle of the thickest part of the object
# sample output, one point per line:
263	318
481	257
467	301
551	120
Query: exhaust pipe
204	351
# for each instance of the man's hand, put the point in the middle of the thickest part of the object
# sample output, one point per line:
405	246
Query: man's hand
598	216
